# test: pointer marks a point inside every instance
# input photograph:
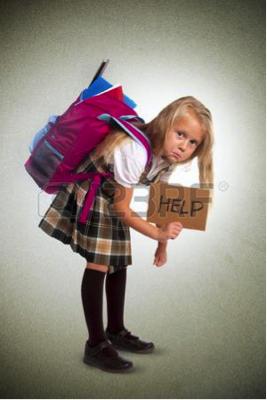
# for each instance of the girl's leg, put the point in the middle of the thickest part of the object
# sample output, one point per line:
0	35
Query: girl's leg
92	299
99	351
97	267
115	291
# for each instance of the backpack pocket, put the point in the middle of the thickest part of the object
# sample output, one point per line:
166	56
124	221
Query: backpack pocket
40	134
44	164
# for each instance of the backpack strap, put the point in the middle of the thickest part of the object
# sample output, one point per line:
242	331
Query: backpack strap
132	130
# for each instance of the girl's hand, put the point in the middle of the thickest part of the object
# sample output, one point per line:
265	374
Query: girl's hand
169	231
160	257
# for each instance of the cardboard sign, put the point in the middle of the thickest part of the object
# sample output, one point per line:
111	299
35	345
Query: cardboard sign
169	203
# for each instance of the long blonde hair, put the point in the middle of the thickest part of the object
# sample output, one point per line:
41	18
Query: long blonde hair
160	126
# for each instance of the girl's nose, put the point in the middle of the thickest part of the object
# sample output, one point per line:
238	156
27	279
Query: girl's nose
182	145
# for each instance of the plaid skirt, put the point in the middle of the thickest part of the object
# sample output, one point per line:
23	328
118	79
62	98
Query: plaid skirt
104	239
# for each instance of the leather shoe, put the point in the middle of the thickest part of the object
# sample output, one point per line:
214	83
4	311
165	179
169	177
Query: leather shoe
94	356
120	341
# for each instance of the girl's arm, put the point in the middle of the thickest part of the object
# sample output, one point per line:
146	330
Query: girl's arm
160	253
161	245
121	206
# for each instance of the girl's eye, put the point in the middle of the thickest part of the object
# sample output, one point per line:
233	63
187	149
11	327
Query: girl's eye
193	142
180	134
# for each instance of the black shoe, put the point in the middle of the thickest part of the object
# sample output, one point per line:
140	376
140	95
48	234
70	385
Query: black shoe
134	345
94	356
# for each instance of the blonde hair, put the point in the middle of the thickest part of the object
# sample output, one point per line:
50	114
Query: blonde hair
158	129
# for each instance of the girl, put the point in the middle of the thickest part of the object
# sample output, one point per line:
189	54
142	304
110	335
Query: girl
183	130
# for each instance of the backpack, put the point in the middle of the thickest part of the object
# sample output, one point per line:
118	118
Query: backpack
66	140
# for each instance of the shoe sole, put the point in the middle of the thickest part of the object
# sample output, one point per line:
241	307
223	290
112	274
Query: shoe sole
145	351
120	371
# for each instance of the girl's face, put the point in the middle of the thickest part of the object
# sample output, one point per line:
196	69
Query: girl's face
183	139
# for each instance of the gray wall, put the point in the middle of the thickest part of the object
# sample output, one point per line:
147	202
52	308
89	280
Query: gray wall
205	309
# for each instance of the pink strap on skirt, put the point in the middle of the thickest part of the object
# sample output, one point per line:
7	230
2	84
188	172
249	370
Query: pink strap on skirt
92	192
91	196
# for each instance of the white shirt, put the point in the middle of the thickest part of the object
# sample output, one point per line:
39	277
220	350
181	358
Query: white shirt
129	161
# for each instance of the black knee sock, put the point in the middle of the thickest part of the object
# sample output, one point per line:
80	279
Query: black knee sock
115	291
92	299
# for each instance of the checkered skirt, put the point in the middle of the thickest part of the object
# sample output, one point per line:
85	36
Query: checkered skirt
104	239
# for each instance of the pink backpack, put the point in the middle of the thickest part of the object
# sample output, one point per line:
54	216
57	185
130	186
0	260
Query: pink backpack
66	140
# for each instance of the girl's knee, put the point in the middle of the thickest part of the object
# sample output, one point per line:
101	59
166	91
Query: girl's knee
97	267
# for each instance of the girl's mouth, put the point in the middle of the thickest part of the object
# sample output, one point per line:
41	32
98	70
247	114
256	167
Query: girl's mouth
177	156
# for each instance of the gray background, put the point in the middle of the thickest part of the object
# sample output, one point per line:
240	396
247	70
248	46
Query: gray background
205	309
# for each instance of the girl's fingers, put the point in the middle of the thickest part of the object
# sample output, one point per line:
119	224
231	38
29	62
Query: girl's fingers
176	230
157	263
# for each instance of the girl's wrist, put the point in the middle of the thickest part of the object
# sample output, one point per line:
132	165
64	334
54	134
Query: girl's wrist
162	245
155	232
